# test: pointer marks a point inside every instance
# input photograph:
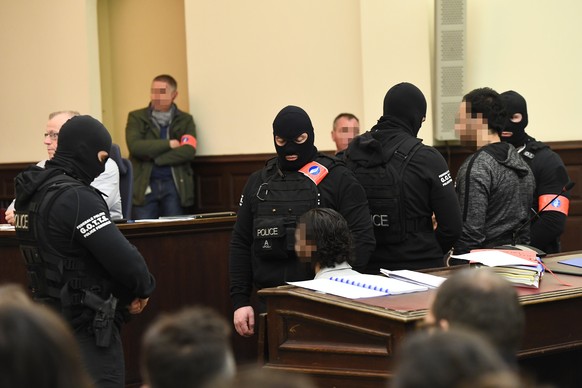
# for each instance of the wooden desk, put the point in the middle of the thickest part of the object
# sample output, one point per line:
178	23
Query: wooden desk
350	343
190	262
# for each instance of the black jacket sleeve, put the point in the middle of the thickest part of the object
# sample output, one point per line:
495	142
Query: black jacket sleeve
82	216
240	260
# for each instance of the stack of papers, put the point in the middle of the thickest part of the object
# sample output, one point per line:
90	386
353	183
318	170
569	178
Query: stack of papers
521	268
420	278
360	286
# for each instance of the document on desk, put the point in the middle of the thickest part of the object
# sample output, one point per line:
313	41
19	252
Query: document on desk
414	277
360	286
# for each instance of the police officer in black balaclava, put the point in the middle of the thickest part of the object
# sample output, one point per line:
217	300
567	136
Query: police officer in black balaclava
78	261
294	138
298	179
516	107
404	105
83	148
549	172
405	238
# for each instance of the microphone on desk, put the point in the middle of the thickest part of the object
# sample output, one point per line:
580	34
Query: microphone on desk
567	187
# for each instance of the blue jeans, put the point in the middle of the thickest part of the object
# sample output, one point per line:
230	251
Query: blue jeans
162	201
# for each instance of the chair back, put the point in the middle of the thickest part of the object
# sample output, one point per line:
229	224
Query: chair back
125	179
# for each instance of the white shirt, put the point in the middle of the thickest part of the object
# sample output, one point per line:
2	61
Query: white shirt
340	269
108	183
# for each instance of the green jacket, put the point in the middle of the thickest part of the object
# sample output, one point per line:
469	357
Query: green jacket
146	148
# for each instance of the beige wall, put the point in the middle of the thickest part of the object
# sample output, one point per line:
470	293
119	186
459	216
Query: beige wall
532	47
139	39
48	62
249	59
238	63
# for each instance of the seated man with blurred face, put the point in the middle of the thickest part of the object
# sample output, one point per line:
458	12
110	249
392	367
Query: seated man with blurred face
494	185
107	182
346	126
482	301
323	239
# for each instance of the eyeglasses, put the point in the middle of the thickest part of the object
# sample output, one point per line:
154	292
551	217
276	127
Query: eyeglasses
52	135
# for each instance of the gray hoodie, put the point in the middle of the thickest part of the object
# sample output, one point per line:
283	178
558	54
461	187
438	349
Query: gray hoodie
495	187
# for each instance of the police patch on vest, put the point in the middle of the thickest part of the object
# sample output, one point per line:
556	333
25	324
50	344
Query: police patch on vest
93	224
21	221
268	232
314	171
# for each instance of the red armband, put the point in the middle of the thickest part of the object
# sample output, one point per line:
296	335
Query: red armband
314	171
188	140
560	204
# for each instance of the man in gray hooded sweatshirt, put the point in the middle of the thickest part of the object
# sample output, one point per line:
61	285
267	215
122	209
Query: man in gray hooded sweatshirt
494	185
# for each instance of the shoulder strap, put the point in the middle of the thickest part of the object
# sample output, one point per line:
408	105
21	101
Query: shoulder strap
399	156
467	182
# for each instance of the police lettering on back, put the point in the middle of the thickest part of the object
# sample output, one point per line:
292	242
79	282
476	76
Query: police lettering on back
381	220
21	221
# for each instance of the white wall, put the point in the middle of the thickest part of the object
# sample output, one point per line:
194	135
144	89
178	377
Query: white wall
48	62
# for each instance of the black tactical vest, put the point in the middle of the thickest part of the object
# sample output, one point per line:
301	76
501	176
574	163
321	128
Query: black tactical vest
279	202
55	279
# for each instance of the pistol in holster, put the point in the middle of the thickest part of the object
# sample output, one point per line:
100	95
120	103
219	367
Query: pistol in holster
104	317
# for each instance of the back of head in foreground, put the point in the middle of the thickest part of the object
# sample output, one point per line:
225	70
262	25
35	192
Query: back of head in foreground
258	377
485	302
38	350
451	359
327	236
187	349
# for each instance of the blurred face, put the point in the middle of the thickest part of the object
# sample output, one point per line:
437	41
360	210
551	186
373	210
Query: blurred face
51	135
162	96
303	248
344	131
473	132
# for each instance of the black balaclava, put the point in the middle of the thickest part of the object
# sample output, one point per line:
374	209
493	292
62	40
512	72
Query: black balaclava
406	103
80	140
515	103
291	122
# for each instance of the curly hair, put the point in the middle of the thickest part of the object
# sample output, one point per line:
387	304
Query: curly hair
329	232
487	103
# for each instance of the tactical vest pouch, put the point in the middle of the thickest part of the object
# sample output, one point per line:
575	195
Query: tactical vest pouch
270	238
279	203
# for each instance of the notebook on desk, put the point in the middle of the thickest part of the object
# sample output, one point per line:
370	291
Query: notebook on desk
360	286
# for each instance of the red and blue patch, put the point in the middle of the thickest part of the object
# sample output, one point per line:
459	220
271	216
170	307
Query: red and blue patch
314	171
560	204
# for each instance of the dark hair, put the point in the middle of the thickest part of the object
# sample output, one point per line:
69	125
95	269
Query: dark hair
483	301
187	349
487	103
37	349
329	232
167	79
450	359
348	116
252	376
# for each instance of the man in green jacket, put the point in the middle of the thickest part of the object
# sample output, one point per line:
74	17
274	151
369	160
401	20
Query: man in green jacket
162	144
